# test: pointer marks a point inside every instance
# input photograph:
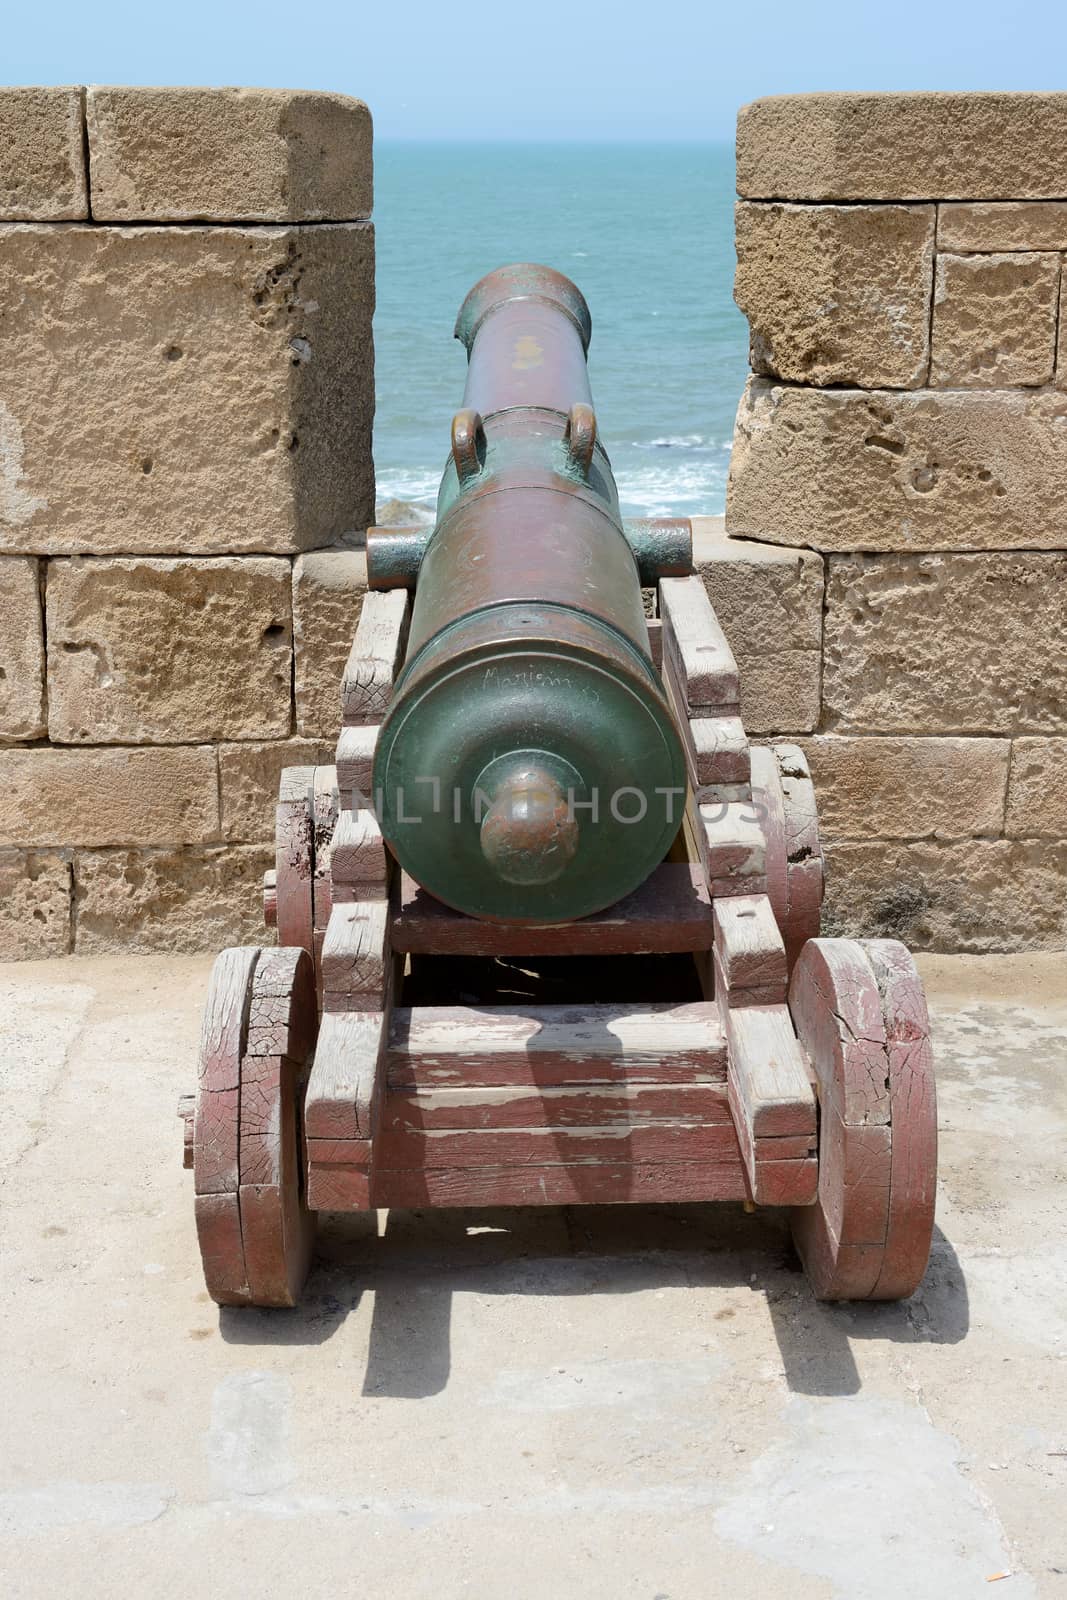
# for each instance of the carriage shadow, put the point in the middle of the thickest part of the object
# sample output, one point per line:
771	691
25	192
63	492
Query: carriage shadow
422	1259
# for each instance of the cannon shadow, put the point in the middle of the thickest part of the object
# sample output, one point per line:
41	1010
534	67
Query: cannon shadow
422	1259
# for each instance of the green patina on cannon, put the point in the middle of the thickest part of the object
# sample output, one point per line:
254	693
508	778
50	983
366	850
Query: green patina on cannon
529	769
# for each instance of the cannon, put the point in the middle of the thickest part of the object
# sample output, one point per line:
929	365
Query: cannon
548	929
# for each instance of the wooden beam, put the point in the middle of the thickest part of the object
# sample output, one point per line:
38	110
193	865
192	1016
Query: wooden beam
359	859
355	763
541	1046
749	948
376	654
355	950
344	1090
695	647
595	1183
773	1105
670	912
529	1105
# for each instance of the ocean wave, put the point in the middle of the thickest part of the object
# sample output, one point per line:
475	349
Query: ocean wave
688	489
683	487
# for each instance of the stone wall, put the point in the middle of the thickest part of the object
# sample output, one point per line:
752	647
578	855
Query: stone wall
904	436
186	400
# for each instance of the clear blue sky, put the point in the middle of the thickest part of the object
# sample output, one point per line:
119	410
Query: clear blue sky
566	69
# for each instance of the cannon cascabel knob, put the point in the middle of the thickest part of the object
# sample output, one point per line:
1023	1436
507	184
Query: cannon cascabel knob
529	834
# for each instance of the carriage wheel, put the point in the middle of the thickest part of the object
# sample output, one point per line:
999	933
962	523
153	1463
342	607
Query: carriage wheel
859	1011
783	791
254	1227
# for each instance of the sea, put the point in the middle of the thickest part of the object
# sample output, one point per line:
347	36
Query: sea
646	231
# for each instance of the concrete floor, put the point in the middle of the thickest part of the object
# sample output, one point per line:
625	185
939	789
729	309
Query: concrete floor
617	1402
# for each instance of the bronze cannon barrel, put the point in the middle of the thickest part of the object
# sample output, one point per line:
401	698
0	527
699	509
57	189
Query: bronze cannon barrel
528	768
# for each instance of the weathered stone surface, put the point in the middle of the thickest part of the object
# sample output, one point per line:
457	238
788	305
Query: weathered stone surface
768	600
911	146
837	294
228	155
1037	789
994	320
328	590
21	648
34	905
175	390
181	900
108	797
168	651
42	159
908	788
946	644
1003	225
963	895
248	779
852	469
1061	339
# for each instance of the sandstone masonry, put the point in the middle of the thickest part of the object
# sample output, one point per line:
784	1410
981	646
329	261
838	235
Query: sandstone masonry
915	438
186	398
186	395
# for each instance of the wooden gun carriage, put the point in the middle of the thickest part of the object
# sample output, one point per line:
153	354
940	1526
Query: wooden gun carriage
690	1040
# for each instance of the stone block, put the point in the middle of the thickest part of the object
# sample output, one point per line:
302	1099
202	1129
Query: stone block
108	796
907	146
969	644
837	294
42	155
180	900
907	788
1037	789
962	895
328	590
854	469
228	155
185	390
167	651
768	600
34	905
1002	225
248	781
22	713
994	322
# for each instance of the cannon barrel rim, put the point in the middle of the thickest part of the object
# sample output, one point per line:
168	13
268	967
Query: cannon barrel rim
522	281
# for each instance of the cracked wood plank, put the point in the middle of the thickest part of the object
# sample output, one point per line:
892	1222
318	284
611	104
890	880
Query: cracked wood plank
344	1091
524	1106
749	947
544	1046
355	950
913	1097
596	1183
294	857
358	858
355	764
376	654
549	1146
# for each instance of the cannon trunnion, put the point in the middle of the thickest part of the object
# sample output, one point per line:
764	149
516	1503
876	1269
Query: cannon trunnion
545	801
